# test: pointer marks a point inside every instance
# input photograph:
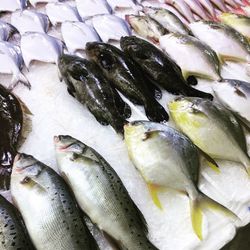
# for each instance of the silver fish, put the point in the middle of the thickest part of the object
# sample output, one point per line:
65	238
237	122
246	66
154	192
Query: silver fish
11	62
167	19
101	194
194	57
61	12
12	5
77	34
50	213
40	47
6	31
110	27
224	40
30	20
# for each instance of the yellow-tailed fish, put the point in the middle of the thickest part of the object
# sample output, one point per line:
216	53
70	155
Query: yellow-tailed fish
101	194
167	159
213	128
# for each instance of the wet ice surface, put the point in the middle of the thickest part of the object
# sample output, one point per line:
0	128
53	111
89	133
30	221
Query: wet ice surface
56	112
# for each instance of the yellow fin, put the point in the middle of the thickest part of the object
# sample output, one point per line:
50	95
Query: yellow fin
213	166
196	217
154	190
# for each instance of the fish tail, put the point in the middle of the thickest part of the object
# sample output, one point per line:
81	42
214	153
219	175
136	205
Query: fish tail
202	203
155	112
197	93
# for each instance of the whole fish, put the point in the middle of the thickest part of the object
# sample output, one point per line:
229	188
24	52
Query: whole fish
101	194
11	62
239	101
193	56
228	43
77	34
29	20
167	19
61	12
6	31
110	27
213	128
11	123
94	7
87	84
124	75
37	46
183	8
13	232
168	159
12	5
240	241
51	215
240	23
158	66
146	27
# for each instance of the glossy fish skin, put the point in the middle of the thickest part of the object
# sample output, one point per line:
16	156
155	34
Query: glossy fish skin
6	31
13	232
101	194
167	159
158	67
239	101
167	19
203	63
123	75
87	84
213	128
228	43
146	27
49	211
11	122
240	23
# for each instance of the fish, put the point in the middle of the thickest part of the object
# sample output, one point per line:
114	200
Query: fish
167	159
167	19
88	85
228	43
220	5
158	66
11	63
77	34
239	101
213	128
117	5
13	232
35	2
123	74
209	7
97	186
183	8
95	7
110	27
6	31
12	5
193	56
231	3
238	22
146	27
197	8
240	241
12	113
49	211
37	46
61	12
30	20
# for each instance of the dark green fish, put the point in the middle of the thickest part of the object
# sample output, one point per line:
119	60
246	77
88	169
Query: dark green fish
11	122
88	85
49	210
13	234
101	194
125	76
159	67
241	241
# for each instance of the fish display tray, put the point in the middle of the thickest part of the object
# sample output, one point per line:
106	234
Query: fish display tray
55	112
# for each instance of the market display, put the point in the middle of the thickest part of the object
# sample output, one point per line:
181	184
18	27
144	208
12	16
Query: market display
139	114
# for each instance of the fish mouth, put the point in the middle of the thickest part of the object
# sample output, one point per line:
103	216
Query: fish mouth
63	142
22	162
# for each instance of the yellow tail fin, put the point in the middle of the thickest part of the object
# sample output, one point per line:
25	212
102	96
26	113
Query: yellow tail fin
196	217
154	190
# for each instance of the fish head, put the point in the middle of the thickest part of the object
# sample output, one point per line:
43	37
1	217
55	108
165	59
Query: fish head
64	61
94	49
25	168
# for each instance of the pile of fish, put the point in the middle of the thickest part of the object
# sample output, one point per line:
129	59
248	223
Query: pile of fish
114	57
